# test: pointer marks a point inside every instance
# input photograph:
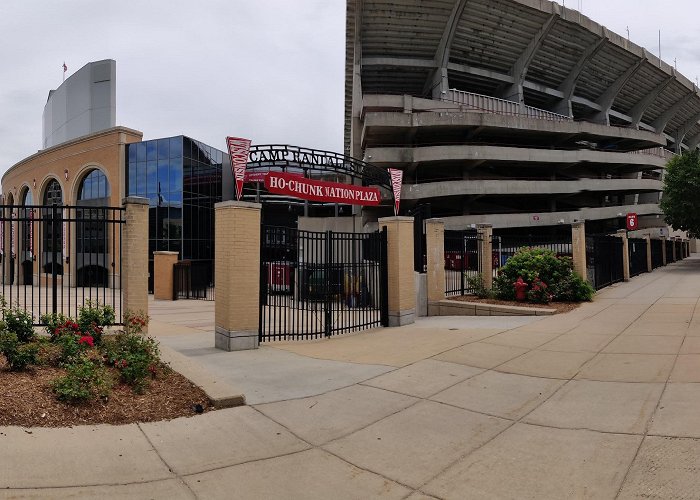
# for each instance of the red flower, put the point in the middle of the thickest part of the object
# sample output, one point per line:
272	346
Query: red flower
87	339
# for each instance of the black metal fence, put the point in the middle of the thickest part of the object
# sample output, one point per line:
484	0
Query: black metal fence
462	261
669	252
193	279
504	247
420	214
604	260
56	258
637	249
657	254
318	284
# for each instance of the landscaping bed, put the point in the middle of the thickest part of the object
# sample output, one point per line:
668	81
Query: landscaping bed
27	400
559	307
84	371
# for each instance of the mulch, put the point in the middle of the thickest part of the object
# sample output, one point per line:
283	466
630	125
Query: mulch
560	307
26	400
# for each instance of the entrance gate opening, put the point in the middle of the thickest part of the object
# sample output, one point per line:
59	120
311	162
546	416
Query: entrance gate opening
319	284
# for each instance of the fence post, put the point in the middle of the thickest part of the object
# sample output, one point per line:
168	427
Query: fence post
435	251
578	248
675	254
135	256
401	280
622	233
237	265
663	250
163	275
485	234
650	265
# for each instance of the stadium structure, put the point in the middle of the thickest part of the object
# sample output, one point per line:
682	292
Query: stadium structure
517	113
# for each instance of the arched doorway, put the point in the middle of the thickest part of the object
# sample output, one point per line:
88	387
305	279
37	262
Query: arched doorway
26	255
52	237
92	237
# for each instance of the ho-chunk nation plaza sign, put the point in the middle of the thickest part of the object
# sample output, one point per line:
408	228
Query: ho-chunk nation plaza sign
287	170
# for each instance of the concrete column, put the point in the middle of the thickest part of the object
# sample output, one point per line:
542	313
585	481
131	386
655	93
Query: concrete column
163	265
485	239
663	250
237	264
622	233
402	293
578	248
675	254
135	256
650	266
435	250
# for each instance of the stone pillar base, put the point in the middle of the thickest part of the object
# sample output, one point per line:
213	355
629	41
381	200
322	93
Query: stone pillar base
235	340
401	318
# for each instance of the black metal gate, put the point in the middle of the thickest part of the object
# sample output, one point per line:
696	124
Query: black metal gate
461	261
55	258
318	284
604	260
669	252
193	279
637	249
657	256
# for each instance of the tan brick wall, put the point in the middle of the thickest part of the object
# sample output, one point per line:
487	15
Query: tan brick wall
402	283
650	268
622	233
435	250
485	232
163	264
237	264
135	255
578	244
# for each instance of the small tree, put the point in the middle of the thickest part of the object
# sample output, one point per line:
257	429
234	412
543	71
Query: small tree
681	200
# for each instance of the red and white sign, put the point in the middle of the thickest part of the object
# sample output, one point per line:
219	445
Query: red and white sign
31	232
396	180
255	176
12	234
314	190
632	222
238	150
2	238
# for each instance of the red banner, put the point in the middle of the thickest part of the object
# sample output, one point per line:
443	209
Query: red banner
31	232
313	190
238	150
632	222
396	180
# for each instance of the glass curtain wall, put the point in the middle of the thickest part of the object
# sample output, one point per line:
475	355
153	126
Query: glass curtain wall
181	178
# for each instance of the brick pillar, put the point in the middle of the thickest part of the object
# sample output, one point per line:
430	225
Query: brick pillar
435	249
401	286
650	265
163	265
485	240
578	248
622	233
135	255
237	264
663	250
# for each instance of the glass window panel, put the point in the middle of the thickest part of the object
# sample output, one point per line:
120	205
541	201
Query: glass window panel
132	180
163	176
163	149
175	176
141	179
131	152
176	147
141	151
152	177
175	198
152	151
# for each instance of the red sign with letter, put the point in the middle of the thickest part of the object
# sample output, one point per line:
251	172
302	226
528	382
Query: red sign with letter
238	150
632	222
314	190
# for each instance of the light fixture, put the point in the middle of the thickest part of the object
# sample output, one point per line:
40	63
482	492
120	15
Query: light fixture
34	183
65	174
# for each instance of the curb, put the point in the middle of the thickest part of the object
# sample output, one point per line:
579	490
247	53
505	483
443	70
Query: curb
220	394
461	308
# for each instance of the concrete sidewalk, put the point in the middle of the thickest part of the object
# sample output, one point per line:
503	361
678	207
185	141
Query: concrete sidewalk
602	402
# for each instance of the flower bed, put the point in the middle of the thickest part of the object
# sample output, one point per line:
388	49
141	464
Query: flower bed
78	374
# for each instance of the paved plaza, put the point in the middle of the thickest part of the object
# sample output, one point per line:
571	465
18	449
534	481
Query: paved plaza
602	402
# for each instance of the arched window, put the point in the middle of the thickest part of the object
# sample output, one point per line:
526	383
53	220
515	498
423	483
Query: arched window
52	195
94	186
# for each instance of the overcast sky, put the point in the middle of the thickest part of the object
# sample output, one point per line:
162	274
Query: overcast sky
271	70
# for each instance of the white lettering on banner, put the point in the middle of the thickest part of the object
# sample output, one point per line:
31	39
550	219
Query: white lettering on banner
396	181
2	238
12	233
238	150
312	189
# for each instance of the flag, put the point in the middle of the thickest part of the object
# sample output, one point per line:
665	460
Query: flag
396	178
65	68
238	150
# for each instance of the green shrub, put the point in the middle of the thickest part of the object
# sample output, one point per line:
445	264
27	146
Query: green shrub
556	273
476	283
20	322
70	348
135	356
93	317
53	321
18	354
84	379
